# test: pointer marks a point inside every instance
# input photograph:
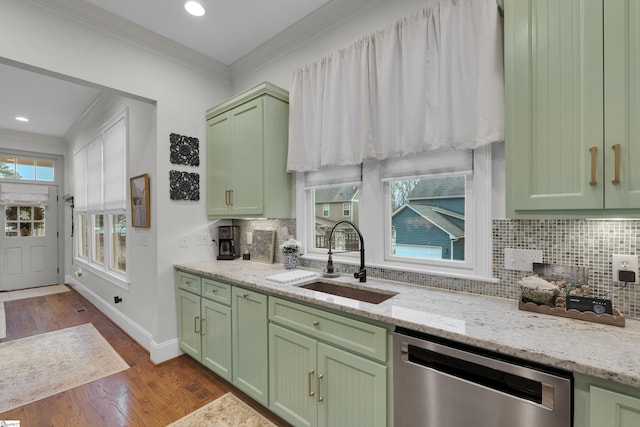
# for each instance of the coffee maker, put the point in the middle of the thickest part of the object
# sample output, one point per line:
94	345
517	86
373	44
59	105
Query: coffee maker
228	238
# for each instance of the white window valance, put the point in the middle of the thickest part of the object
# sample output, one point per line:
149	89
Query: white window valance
24	195
430	81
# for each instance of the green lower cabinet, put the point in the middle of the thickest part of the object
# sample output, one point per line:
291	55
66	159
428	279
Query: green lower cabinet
216	338
189	323
602	403
250	344
315	384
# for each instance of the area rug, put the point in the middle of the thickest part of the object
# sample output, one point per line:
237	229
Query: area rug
226	411
32	292
40	366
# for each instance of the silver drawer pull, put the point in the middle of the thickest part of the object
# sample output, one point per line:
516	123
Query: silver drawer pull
310	374
316	323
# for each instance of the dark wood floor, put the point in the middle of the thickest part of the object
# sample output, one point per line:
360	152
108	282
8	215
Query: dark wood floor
145	395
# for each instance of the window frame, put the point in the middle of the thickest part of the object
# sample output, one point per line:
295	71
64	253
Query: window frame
375	200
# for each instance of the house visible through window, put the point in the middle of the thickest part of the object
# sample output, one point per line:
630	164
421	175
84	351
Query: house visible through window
342	198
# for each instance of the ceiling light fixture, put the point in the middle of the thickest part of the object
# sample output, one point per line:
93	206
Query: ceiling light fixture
194	8
22	119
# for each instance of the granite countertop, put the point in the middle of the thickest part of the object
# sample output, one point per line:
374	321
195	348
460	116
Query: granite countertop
603	351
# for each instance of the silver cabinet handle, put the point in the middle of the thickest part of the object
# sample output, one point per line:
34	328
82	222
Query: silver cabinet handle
594	158
309	375
320	398
616	164
202	324
196	320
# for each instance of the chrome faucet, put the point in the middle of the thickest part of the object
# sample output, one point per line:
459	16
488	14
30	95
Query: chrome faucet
360	274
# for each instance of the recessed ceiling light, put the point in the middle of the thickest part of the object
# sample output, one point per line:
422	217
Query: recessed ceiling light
194	8
22	119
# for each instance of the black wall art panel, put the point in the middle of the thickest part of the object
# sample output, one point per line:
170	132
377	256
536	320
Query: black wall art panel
184	185
185	150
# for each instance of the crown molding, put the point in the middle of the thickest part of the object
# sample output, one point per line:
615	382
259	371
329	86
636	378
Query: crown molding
114	26
309	28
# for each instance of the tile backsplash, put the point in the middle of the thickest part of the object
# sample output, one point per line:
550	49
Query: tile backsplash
574	242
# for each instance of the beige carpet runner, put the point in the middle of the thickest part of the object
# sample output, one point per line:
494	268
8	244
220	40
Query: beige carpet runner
39	366
226	411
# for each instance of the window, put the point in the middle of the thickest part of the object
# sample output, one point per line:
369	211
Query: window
100	199
24	221
326	210
430	212
26	168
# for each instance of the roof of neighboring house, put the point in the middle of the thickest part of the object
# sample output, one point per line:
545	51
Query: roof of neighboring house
435	216
450	186
336	194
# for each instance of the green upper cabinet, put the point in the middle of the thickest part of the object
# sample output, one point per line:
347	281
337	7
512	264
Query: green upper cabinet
571	74
247	140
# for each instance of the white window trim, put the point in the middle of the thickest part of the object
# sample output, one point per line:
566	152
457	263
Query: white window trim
478	258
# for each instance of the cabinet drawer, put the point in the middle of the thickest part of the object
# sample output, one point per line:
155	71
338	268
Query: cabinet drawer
350	334
189	282
216	291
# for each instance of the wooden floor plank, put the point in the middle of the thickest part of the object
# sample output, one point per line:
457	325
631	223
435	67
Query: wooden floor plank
145	395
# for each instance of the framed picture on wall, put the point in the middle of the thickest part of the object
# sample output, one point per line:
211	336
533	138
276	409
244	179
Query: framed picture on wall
140	209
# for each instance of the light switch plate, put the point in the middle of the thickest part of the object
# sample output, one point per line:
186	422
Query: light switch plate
521	259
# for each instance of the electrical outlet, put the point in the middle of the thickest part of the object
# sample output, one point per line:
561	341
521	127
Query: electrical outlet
521	259
624	263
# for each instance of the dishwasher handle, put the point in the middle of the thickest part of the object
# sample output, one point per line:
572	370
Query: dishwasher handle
505	382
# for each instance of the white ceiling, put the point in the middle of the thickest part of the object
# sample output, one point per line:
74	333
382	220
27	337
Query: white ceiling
229	31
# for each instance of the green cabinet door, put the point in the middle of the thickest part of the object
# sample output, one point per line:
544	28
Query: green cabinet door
622	102
612	409
292	373
218	154
352	390
250	347
554	104
216	338
189	323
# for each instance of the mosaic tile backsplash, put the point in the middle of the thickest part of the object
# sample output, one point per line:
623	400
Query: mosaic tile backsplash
574	242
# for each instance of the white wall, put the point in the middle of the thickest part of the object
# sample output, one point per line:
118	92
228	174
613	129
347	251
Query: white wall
49	40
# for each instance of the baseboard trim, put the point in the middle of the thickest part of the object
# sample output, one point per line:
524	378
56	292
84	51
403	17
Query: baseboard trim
158	352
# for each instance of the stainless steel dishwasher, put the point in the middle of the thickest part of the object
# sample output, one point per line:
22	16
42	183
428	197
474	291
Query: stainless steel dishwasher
439	383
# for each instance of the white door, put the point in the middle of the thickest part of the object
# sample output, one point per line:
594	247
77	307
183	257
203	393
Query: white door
28	245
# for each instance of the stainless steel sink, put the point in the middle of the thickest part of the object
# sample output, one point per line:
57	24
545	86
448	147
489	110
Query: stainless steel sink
346	291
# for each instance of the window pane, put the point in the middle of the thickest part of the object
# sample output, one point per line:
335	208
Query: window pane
428	218
38	229
330	205
11	229
38	213
83	236
44	170
25	213
119	242
98	239
25	229
26	168
7	167
11	213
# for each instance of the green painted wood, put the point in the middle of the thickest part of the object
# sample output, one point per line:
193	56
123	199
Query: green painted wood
246	164
583	399
554	104
353	390
292	373
216	291
189	282
216	338
613	409
622	101
219	151
351	334
247	141
250	343
189	323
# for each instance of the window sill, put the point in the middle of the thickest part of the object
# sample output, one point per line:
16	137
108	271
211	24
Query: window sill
115	279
